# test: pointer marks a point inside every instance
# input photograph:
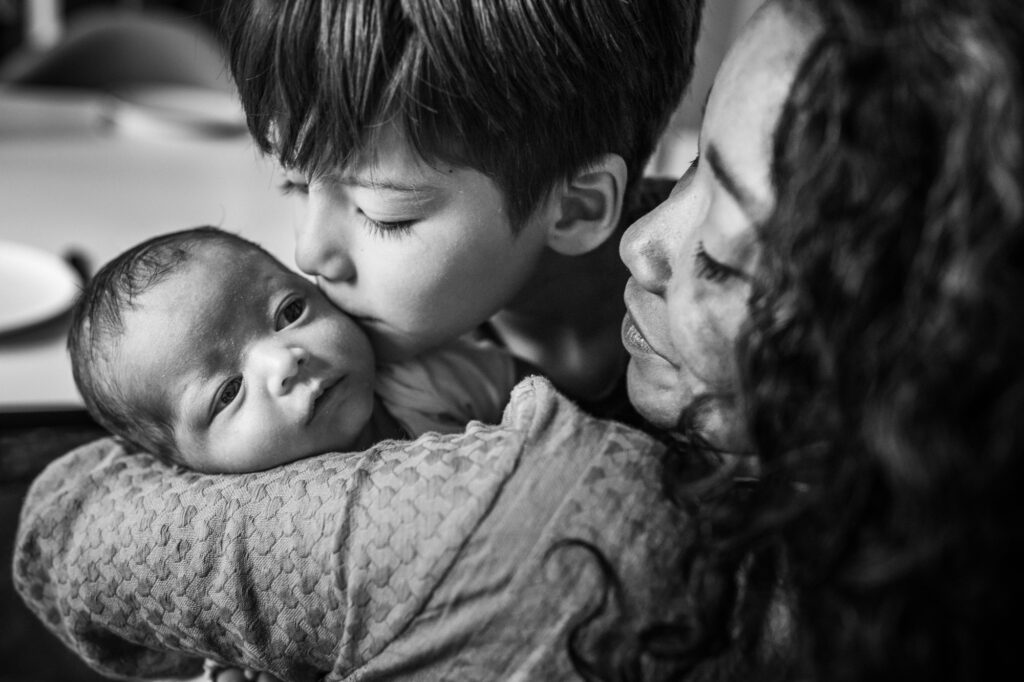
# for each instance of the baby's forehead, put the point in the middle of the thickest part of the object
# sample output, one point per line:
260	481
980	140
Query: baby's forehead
210	294
231	263
195	317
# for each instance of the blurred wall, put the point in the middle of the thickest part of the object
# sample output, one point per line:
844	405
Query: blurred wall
15	15
722	20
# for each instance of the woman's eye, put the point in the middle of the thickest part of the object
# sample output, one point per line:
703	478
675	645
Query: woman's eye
290	312
710	269
228	393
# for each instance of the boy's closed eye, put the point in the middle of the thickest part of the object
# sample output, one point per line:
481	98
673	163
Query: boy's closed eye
412	198
382	228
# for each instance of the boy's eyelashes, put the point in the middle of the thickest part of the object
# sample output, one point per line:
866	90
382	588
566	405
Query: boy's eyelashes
382	228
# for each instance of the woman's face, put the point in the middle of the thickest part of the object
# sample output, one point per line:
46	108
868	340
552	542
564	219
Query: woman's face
692	257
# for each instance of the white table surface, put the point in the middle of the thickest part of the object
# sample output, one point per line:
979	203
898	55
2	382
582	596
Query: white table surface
70	180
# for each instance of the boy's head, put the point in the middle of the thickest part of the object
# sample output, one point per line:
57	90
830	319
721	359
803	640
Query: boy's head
528	92
201	347
447	147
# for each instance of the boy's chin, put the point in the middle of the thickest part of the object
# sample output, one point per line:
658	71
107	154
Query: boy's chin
391	349
386	349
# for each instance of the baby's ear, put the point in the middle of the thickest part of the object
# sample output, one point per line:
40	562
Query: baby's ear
588	207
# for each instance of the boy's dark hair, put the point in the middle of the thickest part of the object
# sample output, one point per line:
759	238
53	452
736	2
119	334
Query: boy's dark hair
527	92
97	321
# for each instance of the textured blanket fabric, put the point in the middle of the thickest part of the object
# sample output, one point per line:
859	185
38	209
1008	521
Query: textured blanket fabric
460	557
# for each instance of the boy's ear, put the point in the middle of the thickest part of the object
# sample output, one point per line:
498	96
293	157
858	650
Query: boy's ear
588	207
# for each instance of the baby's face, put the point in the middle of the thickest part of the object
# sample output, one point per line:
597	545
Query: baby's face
254	365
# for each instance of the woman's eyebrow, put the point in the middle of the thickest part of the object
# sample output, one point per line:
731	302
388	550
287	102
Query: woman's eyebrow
746	199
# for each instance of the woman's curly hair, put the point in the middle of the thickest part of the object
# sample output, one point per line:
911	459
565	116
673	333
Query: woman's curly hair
882	369
883	362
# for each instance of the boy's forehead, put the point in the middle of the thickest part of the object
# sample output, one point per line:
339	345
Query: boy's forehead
388	160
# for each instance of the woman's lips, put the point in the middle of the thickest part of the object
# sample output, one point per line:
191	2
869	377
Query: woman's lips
632	337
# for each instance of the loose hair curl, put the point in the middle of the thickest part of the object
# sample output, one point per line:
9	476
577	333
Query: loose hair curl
882	367
882	363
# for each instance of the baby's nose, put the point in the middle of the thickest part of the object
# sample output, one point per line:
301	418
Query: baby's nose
282	366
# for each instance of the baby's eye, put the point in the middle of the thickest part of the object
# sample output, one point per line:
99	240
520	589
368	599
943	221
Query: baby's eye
710	269
290	312
228	393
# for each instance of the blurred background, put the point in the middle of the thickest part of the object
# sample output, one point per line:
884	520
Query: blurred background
118	121
39	24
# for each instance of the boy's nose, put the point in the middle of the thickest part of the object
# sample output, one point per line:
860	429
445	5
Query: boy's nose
280	365
645	253
321	243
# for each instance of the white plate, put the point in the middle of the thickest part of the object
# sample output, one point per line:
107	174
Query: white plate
35	285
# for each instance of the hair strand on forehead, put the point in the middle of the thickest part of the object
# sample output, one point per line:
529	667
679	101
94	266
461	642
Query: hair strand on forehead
518	91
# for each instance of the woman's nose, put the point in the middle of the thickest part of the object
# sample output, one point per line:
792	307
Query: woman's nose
645	252
321	243
280	366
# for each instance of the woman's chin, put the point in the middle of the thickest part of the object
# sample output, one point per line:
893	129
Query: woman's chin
657	402
663	404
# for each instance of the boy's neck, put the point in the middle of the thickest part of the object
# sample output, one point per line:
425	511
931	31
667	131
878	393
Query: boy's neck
567	320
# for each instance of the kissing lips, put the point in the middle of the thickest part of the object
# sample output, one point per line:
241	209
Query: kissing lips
633	338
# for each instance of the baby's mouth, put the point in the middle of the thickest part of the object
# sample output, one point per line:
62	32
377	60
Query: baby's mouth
319	396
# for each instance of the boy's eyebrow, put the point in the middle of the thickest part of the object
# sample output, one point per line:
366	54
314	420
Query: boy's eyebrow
393	185
744	197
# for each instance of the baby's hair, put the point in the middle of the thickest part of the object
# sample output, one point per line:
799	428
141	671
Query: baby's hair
97	322
527	92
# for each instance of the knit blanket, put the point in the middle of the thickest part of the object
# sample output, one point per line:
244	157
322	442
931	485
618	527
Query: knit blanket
468	556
